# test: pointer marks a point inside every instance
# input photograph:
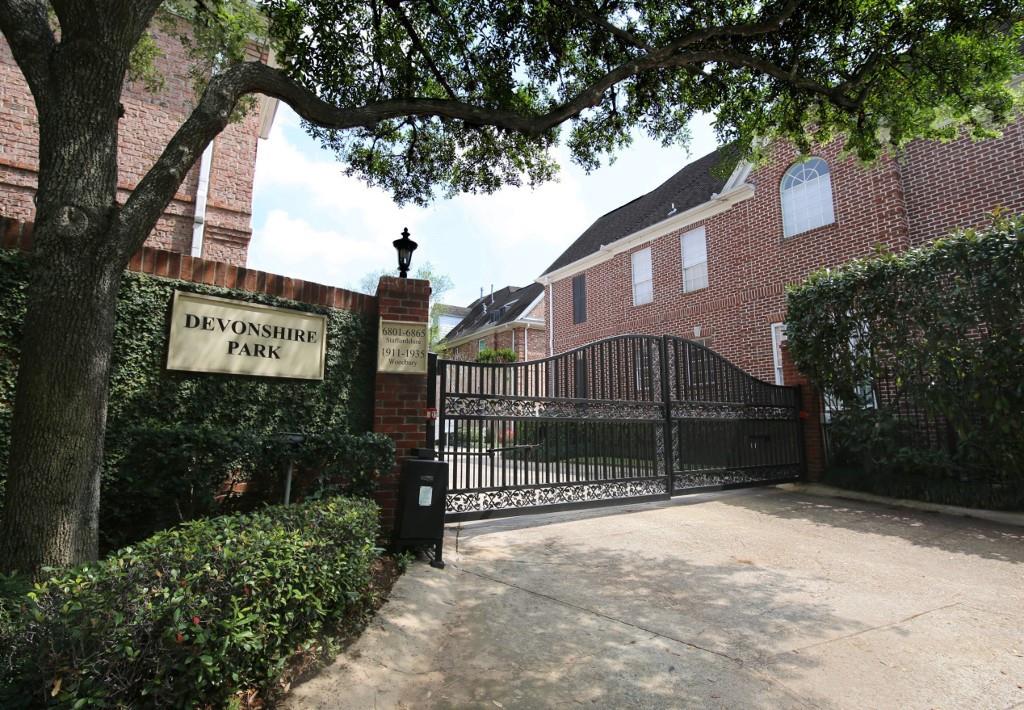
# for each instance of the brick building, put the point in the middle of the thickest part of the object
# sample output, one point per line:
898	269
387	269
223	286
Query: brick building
209	217
512	317
707	256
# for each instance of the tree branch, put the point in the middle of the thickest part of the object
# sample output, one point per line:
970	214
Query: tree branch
396	8
26	26
210	117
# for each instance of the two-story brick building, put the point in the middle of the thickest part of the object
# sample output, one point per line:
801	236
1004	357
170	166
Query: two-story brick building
209	217
707	255
512	318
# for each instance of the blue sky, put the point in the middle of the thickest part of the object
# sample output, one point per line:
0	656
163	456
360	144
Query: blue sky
312	222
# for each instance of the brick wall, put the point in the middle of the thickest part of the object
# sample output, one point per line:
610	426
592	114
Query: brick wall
401	400
957	184
895	203
149	123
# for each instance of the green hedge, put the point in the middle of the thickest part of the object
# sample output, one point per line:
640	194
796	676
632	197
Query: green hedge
173	473
192	615
145	396
923	353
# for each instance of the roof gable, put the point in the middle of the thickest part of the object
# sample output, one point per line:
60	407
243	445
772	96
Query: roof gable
506	305
694	185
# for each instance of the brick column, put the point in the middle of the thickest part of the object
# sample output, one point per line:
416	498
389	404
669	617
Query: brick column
810	414
400	400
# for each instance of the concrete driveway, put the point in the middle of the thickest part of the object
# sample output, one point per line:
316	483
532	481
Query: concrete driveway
757	598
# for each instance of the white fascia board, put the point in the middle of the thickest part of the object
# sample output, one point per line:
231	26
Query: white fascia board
484	332
268	105
716	205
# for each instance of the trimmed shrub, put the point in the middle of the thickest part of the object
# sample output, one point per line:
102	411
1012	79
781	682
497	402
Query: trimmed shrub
171	474
922	354
192	615
497	355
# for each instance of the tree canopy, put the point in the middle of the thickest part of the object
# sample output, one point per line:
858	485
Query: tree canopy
466	96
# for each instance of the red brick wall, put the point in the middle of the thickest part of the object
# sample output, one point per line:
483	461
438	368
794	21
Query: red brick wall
954	185
895	203
401	400
149	123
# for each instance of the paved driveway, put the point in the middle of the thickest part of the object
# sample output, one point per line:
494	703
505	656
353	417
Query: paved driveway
758	598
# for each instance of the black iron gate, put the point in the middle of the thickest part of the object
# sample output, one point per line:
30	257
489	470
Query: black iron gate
628	418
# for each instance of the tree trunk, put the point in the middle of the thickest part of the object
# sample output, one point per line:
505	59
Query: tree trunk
51	505
52	497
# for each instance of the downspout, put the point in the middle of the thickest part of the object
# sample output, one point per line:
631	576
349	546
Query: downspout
551	319
526	343
202	191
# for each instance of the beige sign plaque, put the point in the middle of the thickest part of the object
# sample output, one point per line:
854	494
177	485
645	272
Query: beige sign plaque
210	334
402	347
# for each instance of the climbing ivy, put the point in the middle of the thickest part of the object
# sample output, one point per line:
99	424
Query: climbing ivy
209	417
937	333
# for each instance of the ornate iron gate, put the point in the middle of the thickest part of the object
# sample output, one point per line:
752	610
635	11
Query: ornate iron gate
628	418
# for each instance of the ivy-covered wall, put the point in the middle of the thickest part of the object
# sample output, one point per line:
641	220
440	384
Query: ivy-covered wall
144	396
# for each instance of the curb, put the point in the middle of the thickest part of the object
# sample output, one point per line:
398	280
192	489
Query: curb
820	489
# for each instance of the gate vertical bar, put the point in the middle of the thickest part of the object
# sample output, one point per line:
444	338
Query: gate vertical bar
666	402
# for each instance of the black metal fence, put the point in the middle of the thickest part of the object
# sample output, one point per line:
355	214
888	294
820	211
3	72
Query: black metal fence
632	417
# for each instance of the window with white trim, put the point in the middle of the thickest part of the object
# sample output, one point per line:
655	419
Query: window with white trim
643	277
481	345
694	248
806	194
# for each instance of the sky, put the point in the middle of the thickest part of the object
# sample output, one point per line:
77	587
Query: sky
312	222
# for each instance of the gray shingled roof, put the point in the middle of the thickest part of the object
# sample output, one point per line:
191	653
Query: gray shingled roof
509	303
695	184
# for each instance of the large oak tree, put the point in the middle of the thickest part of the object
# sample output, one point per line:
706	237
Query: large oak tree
421	96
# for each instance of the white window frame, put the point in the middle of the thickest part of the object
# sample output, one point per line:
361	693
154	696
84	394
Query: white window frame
778	338
693	234
637	258
481	345
806	197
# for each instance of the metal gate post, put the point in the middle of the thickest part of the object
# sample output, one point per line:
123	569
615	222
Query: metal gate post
666	402
431	438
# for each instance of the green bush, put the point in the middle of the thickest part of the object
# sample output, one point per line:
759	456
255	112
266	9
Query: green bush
171	474
497	355
340	463
938	333
192	615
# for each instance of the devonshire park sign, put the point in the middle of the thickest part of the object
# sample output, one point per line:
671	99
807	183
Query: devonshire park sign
210	334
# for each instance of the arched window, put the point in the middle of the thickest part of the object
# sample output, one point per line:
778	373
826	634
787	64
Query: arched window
806	197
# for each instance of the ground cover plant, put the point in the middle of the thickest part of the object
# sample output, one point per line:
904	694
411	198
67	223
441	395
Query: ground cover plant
920	355
194	616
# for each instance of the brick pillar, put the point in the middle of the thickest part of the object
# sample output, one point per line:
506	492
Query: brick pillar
400	400
810	414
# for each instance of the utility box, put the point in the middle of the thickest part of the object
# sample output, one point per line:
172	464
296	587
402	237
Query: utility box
421	500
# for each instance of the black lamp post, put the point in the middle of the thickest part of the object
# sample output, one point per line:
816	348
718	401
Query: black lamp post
405	248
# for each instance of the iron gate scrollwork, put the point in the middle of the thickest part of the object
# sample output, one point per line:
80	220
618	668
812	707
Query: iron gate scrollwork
627	418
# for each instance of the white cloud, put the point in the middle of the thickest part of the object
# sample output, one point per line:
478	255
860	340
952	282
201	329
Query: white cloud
287	245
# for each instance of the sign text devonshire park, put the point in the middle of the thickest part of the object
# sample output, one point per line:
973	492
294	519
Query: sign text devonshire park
210	334
402	347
